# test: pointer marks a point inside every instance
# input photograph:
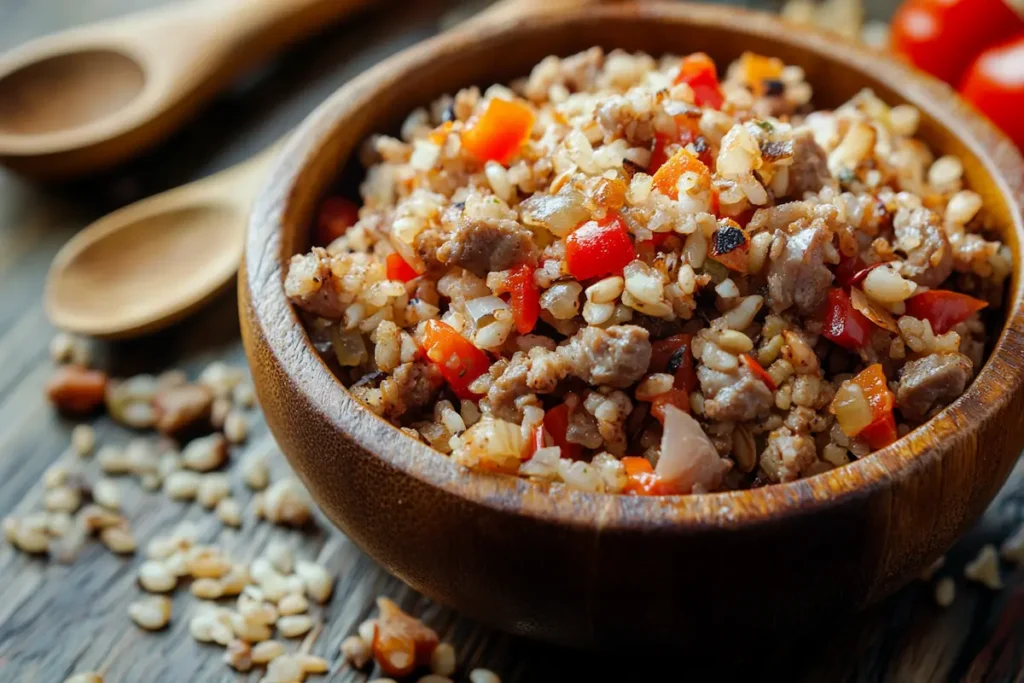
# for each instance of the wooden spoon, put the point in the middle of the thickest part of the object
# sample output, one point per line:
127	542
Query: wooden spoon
87	98
153	262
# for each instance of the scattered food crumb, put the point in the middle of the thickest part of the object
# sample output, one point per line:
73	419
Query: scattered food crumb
83	440
984	568
945	591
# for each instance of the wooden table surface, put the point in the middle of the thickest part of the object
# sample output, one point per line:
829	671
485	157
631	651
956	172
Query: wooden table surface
58	619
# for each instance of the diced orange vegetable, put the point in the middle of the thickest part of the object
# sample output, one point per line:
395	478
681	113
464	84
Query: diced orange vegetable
872	381
336	216
556	422
666	178
699	72
758	371
730	246
455	356
642	481
398	269
679	398
498	133
757	70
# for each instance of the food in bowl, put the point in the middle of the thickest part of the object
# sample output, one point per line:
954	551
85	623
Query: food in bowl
624	274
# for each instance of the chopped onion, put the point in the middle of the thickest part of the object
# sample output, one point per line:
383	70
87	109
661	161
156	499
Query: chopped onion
408	253
873	311
851	408
484	307
349	347
559	213
689	461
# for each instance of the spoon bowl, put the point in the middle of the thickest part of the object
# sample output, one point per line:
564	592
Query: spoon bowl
60	92
702	573
154	262
93	96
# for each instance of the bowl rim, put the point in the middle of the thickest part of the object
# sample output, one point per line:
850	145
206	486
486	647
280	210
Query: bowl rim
1000	378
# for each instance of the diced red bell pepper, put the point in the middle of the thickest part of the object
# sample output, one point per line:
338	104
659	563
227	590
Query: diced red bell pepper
536	443
881	432
336	216
398	269
699	72
556	422
498	133
758	371
455	356
642	481
757	70
680	398
852	271
943	309
845	325
598	248
524	298
666	178
673	355
873	383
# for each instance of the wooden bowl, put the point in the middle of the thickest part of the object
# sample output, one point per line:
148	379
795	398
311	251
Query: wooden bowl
589	569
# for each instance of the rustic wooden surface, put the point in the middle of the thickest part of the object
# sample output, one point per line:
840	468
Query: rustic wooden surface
57	619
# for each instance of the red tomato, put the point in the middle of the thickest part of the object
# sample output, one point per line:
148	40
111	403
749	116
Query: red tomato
943	309
498	133
699	72
524	298
556	422
598	248
844	324
398	269
995	85
337	215
943	36
758	371
455	356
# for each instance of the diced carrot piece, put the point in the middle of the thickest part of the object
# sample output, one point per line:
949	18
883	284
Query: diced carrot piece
498	133
666	178
757	70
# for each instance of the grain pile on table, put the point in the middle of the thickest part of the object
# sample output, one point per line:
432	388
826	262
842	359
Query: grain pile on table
250	609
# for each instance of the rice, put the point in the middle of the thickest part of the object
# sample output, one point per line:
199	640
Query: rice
782	274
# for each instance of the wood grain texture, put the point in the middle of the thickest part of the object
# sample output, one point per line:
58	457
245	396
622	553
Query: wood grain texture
55	620
868	527
118	87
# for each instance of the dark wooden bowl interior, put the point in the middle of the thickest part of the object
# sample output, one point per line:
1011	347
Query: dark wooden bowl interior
557	564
